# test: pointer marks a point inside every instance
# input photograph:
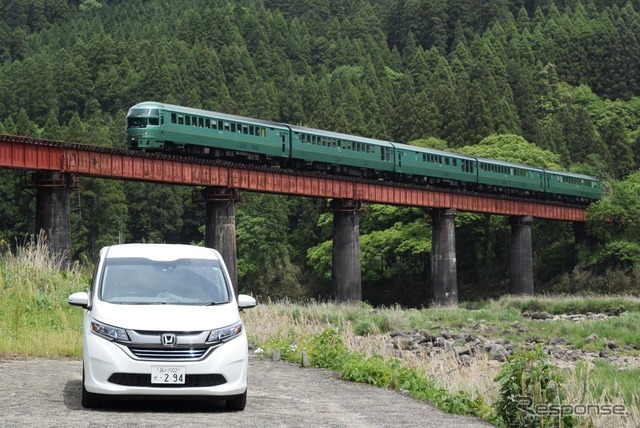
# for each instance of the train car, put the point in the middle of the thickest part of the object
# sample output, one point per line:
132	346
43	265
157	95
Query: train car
340	153
510	178
435	167
156	126
566	186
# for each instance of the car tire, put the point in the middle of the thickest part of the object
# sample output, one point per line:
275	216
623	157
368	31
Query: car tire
89	399
237	402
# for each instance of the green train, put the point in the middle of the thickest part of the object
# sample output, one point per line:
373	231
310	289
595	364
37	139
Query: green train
154	126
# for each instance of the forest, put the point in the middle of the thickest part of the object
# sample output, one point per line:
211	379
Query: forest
541	82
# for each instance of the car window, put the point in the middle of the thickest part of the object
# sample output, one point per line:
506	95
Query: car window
144	281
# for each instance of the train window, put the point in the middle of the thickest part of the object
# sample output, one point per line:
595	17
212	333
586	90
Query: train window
220	125
194	121
263	132
245	129
207	123
154	112
446	161
455	162
187	120
180	120
201	122
173	118
153	121
233	127
227	126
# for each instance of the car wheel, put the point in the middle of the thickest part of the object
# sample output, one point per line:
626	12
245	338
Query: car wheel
237	402
89	399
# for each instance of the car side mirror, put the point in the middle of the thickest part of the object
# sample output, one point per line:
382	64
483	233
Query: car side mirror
79	299
245	302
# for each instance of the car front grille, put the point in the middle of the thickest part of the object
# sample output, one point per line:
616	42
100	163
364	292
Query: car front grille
156	353
144	380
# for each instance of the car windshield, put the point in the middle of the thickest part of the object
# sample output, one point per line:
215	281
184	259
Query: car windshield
179	282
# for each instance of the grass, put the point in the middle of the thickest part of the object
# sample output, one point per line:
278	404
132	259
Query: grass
36	321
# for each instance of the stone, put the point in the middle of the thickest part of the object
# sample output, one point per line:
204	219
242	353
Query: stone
276	355
557	341
498	352
305	360
462	350
541	316
402	342
591	338
611	344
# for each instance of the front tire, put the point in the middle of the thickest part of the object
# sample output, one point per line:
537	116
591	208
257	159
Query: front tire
237	402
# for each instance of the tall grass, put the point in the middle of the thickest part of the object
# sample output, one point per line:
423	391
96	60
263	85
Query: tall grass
35	319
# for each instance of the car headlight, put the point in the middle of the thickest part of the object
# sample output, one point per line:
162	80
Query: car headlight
109	332
226	333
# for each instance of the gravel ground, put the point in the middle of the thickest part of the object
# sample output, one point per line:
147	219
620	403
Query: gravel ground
46	393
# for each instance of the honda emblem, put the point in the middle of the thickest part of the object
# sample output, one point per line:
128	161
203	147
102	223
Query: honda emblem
169	339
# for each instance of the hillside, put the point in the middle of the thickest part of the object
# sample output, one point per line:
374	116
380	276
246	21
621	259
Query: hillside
562	75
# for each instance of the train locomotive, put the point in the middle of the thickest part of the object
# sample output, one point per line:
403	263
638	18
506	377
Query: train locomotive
153	126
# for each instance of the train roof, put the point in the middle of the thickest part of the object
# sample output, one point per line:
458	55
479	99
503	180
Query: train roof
571	174
217	115
510	164
433	151
340	136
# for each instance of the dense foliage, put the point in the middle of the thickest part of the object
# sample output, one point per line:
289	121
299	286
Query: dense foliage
555	83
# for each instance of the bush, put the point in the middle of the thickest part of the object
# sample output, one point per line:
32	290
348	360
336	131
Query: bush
528	381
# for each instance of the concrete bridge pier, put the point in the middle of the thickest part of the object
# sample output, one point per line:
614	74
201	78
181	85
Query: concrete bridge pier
220	226
521	268
345	270
582	239
53	212
444	281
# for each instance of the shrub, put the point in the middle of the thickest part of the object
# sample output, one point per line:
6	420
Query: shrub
527	381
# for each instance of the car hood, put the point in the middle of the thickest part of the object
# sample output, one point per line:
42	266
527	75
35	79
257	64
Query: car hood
166	317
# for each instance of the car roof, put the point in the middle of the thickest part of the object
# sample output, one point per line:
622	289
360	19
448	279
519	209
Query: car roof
160	252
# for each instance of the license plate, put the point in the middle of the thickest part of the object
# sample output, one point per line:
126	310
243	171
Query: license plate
168	375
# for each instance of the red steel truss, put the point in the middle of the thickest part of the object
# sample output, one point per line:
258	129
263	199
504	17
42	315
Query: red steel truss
42	155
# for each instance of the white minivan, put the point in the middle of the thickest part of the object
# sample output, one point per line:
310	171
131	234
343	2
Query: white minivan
162	320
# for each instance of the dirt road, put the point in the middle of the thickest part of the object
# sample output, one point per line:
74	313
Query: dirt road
46	393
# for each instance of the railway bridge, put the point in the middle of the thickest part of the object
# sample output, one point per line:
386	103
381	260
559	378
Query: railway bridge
55	164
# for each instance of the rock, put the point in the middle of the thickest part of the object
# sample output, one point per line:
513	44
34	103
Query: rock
604	354
462	350
611	344
305	360
463	337
541	316
276	355
439	342
402	342
591	338
557	341
498	352
465	360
